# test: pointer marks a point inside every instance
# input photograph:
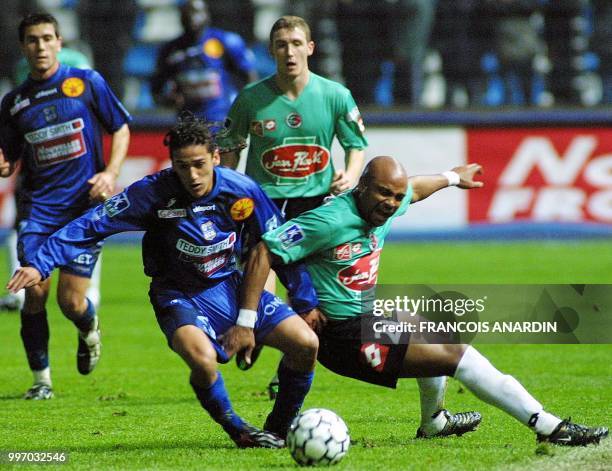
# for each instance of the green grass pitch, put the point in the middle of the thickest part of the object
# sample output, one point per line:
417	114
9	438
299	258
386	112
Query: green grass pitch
137	411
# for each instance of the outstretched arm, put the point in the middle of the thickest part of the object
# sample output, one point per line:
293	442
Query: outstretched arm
463	177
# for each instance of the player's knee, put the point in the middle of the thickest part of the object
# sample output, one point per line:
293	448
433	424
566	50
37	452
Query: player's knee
306	345
71	303
452	353
200	357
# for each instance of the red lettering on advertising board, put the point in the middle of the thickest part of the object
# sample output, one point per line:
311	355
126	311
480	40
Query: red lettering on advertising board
542	175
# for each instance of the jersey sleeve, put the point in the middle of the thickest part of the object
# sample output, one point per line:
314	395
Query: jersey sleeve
236	131
106	105
349	124
11	141
241	56
127	211
302	236
294	277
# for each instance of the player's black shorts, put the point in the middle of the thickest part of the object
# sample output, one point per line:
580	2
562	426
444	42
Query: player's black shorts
293	207
346	351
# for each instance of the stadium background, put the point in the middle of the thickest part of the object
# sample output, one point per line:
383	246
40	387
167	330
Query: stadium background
548	179
548	160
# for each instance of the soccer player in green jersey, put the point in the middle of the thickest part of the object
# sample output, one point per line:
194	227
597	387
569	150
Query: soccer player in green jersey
340	242
291	119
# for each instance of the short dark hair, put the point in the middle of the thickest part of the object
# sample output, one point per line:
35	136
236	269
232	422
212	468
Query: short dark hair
290	22
190	130
33	19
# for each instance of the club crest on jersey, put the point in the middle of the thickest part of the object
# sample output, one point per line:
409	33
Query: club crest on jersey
116	205
293	120
291	236
242	209
73	87
208	230
213	48
50	114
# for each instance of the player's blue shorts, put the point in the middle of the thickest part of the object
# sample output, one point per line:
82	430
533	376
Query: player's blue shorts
31	235
215	310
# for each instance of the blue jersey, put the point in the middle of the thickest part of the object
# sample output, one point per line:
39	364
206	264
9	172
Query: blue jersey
55	127
202	71
189	244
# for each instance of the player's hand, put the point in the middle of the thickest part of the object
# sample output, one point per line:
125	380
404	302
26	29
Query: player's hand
6	168
467	174
340	183
236	339
102	185
24	277
315	319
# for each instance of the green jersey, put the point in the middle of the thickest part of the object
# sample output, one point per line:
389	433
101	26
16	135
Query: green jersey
341	252
290	140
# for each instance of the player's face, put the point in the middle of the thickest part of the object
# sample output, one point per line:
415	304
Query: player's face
194	167
379	199
40	47
194	16
291	50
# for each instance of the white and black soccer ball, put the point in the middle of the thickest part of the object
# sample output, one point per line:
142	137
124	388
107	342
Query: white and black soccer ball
318	437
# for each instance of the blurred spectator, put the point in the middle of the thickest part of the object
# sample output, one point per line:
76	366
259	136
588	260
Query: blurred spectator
392	31
602	43
569	30
9	56
197	70
107	26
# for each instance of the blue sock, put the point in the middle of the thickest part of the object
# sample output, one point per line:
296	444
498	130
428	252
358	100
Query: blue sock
216	402
35	336
83	322
292	389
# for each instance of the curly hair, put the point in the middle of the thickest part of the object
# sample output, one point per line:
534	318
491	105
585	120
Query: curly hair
190	130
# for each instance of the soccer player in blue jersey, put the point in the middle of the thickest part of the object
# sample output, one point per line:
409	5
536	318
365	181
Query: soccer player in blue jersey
197	70
199	220
52	124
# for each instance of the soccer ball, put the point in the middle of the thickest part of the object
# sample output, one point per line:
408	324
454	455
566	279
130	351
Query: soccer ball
318	437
